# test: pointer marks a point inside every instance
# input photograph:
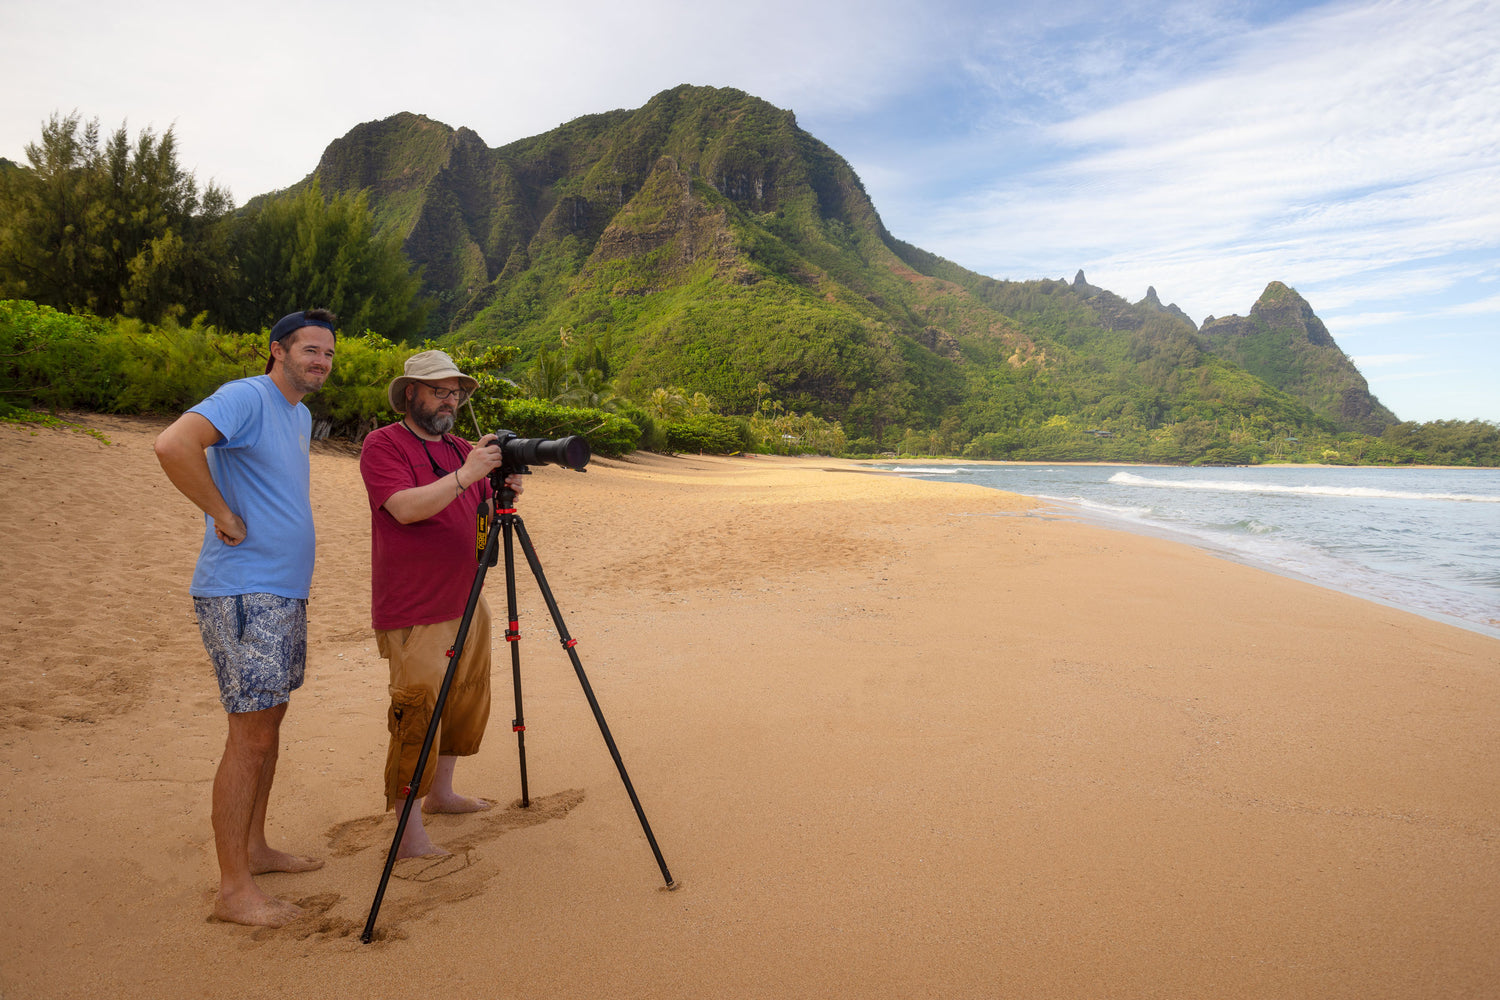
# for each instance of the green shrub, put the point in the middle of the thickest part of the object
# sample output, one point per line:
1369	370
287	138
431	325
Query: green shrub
50	359
653	437
709	434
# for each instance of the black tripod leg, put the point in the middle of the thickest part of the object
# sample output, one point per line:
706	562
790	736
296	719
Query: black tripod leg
432	727
569	643
513	638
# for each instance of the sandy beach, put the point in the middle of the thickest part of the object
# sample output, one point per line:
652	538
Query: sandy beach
895	739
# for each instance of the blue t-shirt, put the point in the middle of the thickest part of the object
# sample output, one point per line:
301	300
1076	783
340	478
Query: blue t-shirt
261	467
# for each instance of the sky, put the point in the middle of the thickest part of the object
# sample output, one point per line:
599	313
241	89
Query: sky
1204	148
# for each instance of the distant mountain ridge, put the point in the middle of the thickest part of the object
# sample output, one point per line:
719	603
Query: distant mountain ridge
725	250
1284	342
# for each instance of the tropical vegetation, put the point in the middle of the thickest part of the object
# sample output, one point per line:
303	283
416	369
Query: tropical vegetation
695	275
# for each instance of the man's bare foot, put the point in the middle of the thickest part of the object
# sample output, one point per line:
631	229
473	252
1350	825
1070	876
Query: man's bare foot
435	802
257	910
416	844
272	860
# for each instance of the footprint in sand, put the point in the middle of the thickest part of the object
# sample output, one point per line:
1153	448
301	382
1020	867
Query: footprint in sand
431	868
468	829
435	882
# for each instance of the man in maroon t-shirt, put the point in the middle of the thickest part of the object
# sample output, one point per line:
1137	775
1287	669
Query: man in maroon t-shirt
425	486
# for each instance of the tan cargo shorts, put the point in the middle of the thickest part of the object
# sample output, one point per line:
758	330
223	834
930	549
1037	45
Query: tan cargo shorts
418	659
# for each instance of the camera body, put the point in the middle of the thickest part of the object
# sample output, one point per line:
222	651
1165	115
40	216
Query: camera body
517	455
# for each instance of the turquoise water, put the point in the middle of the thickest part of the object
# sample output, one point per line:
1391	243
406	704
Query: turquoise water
1426	540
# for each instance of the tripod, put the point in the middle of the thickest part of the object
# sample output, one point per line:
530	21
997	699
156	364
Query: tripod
505	524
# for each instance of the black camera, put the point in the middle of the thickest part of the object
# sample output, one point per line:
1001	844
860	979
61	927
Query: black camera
517	453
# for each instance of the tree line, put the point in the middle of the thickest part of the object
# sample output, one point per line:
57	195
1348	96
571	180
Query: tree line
123	288
116	227
113	230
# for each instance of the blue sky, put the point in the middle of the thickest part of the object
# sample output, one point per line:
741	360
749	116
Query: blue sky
1206	148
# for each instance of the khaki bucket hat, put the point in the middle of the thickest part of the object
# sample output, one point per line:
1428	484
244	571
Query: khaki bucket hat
429	366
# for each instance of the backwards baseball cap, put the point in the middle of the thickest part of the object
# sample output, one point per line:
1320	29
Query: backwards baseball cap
290	324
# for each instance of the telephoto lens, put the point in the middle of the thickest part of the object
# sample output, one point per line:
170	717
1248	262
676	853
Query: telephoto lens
571	452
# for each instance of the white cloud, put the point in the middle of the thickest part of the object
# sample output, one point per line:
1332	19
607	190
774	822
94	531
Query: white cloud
1479	307
257	93
1345	141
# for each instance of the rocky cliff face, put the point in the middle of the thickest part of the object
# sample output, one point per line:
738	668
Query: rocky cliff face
723	249
667	223
1115	313
603	187
1153	303
1284	342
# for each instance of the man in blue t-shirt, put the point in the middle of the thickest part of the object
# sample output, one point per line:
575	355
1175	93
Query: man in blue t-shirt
241	455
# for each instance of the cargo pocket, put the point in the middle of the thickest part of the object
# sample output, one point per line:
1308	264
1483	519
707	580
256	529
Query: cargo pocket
409	715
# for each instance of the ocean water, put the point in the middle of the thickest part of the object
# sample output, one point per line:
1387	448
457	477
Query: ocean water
1425	540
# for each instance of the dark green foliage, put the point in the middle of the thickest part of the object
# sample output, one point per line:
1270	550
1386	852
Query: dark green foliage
300	250
52	360
114	229
56	361
653	437
119	228
60	361
708	433
1439	442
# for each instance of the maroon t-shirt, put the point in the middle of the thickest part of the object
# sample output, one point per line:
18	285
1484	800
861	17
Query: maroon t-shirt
421	573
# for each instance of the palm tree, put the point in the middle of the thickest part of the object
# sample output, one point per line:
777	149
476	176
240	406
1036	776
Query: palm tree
547	378
589	389
667	404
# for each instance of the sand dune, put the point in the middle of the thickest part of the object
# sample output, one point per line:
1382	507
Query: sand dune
895	739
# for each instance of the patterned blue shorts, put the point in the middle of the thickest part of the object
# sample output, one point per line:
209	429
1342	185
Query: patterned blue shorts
258	644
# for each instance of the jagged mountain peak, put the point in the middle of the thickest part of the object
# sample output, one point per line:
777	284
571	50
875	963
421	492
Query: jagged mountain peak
723	249
1280	306
1152	302
1284	342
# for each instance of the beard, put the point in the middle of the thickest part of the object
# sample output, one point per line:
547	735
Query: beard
434	420
303	380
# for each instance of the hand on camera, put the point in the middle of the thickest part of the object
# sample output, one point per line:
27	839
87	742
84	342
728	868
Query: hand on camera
485	458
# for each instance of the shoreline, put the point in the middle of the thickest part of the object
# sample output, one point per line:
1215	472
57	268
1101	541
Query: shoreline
1352	577
1158	465
1085	516
894	737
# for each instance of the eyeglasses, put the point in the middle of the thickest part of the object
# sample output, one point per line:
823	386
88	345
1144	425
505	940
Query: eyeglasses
462	395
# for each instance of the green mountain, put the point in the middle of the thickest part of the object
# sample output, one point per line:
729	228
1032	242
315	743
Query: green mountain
717	247
1285	343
